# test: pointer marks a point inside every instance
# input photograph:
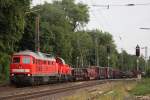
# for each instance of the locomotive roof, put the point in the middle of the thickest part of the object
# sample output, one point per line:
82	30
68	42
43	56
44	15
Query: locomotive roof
37	55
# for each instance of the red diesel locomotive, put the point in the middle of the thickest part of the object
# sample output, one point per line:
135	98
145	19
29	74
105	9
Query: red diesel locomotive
29	67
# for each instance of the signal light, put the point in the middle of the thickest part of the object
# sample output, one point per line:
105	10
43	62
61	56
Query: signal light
137	51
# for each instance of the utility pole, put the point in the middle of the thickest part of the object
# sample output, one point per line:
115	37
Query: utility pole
77	64
138	54
79	56
146	48
137	61
96	52
122	59
108	55
146	54
108	60
145	57
37	34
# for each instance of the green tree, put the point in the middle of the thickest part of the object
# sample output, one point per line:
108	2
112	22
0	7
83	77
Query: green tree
12	13
28	39
82	43
100	42
76	14
56	27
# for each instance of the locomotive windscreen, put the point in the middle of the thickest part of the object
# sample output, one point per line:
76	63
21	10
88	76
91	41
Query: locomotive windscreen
26	60
16	60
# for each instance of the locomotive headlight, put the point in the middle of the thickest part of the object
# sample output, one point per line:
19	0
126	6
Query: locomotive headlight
12	74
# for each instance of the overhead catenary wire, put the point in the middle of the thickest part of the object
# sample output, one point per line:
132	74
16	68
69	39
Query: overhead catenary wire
113	5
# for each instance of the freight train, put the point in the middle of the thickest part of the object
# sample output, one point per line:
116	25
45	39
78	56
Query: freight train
34	68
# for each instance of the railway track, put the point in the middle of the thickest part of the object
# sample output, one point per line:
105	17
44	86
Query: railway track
37	94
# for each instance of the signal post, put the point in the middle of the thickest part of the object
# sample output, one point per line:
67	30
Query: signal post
137	61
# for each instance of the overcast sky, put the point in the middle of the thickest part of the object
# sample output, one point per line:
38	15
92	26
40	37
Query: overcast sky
123	22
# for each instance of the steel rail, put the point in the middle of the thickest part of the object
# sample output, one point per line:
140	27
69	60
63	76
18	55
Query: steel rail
37	94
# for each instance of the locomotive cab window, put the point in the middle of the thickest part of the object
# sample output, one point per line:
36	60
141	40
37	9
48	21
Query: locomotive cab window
26	60
16	60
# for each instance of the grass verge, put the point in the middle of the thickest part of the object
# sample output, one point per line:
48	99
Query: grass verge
142	87
107	91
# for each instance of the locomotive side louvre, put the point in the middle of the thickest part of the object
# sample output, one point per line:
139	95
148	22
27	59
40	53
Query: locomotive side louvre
45	67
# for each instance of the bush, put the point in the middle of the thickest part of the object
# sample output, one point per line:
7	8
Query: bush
4	67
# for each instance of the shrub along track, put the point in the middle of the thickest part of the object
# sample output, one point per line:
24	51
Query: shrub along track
42	93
